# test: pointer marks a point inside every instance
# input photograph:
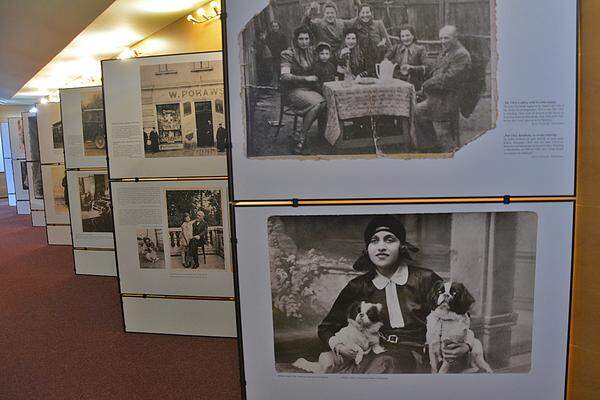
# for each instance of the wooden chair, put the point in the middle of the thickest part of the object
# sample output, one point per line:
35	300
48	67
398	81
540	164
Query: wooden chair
285	109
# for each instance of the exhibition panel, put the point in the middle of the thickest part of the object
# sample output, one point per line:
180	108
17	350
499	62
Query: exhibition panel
7	160
19	165
50	133
90	208
303	270
165	116
34	169
461	118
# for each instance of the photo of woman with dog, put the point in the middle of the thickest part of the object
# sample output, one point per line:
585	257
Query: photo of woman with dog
389	306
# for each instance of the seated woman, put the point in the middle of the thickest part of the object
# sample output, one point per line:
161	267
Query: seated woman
409	56
402	290
300	84
149	250
351	59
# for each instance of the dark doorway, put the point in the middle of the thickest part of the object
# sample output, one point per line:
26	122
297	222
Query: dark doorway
204	123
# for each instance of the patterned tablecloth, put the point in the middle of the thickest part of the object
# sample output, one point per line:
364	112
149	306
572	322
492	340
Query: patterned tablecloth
347	100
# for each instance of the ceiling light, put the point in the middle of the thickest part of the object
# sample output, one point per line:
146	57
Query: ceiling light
216	7
127	53
202	13
33	110
44	100
165	6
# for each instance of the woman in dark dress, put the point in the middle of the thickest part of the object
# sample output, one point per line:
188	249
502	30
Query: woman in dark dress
402	289
409	56
300	84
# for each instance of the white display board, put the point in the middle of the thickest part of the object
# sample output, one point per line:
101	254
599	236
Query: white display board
17	143
34	168
294	262
50	133
521	129
56	197
59	235
150	235
21	179
163	116
82	111
91	209
7	160
31	137
95	262
180	316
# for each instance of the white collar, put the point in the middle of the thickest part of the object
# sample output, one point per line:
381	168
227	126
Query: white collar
400	277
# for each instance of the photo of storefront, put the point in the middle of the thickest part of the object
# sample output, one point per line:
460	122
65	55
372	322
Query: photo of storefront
182	108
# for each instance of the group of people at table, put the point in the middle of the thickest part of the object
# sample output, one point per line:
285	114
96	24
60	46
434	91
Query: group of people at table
329	48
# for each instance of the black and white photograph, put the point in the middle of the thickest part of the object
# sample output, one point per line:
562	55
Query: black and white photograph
182	109
24	175
195	229
57	135
408	79
60	193
151	250
96	208
38	188
33	139
397	294
92	118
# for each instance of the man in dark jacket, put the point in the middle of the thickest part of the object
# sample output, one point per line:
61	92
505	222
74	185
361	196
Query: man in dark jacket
438	116
221	138
276	42
199	232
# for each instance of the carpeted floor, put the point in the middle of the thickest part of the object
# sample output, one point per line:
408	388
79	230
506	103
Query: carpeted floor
61	335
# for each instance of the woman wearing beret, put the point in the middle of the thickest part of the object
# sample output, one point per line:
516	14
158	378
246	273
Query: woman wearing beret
402	290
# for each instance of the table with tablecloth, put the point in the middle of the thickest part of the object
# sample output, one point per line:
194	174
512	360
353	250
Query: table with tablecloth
347	100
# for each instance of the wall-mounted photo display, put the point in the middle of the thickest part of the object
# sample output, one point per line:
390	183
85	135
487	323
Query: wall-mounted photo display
31	140
343	91
173	237
378	299
50	133
56	194
17	141
7	160
91	209
82	111
20	179
165	116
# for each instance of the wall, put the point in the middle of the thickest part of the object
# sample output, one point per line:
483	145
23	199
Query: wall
183	37
7	111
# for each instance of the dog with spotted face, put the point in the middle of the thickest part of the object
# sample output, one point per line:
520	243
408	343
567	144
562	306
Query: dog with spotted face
449	322
361	334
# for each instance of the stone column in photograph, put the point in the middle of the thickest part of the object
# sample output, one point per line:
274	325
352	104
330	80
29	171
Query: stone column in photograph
483	253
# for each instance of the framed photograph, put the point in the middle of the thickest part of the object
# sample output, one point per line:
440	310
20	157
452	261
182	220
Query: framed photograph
36	189
32	144
379	299
50	133
340	91
56	194
173	237
165	116
82	111
91	209
17	141
19	168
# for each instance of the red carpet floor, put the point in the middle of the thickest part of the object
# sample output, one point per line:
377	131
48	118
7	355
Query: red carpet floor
61	335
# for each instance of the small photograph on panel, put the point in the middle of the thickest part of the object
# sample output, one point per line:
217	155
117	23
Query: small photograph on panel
92	117
96	209
195	236
396	294
57	135
363	79
59	189
24	175
182	109
38	187
151	250
21	134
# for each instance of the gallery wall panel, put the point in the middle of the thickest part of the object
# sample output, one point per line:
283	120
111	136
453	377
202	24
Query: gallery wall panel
515	124
7	160
82	111
50	132
95	262
21	180
153	254
515	260
163	115
56	195
17	143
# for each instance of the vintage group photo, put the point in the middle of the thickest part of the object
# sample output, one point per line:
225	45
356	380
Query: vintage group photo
24	175
92	118
57	135
183	109
96	207
151	251
36	179
396	294
33	150
403	78
195	229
